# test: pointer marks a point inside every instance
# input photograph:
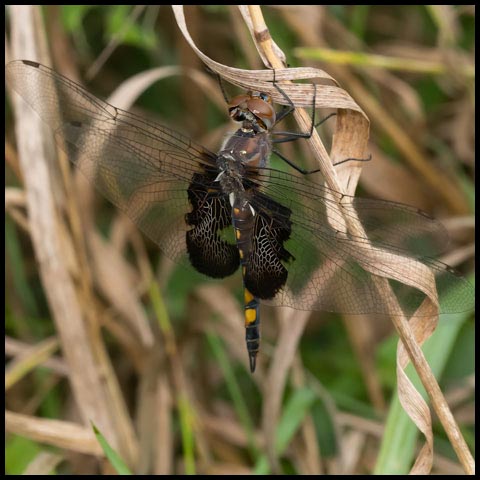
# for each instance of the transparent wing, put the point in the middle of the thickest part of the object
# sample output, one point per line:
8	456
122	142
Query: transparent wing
386	223
143	168
329	270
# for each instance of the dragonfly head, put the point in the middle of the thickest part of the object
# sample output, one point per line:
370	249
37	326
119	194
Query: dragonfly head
254	109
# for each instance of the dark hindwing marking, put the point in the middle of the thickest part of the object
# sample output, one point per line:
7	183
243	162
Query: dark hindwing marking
209	253
266	273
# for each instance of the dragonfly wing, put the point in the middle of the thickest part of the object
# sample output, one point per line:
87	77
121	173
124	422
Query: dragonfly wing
267	265
386	223
329	269
150	172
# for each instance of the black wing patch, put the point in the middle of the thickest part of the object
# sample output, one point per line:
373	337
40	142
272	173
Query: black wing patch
211	213
266	273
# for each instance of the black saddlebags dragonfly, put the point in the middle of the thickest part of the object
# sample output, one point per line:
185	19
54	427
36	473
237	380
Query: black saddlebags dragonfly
186	199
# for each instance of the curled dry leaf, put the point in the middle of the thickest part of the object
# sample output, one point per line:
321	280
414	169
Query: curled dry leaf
301	94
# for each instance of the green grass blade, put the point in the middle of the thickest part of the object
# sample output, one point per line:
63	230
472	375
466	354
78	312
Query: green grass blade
235	392
113	457
188	439
369	60
184	408
295	411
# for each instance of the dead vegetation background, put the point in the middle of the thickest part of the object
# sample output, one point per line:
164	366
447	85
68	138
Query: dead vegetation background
164	377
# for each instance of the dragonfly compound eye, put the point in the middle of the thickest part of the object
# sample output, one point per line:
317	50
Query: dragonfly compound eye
265	97
240	101
263	111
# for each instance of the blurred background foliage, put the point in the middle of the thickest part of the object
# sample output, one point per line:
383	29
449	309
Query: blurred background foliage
427	98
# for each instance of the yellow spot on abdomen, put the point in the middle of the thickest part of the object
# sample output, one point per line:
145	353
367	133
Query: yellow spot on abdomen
250	315
247	296
238	233
236	211
241	253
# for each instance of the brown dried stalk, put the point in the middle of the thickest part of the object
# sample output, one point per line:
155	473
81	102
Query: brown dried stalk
67	435
92	379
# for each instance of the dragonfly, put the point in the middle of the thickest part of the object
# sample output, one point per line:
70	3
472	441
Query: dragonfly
228	211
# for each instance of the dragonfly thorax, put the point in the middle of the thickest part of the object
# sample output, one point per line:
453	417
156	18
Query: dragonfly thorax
231	173
248	148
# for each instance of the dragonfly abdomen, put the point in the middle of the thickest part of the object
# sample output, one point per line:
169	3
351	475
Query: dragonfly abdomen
243	222
243	219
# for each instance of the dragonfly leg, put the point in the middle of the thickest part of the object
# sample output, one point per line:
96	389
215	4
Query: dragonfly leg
353	160
290	108
292	136
222	87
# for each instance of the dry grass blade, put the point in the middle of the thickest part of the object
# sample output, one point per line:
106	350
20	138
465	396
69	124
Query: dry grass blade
115	278
231	327
276	380
406	390
43	464
128	92
114	42
163	454
67	435
16	348
28	360
14	204
14	197
89	367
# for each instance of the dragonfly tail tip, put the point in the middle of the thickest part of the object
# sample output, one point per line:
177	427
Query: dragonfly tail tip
253	361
